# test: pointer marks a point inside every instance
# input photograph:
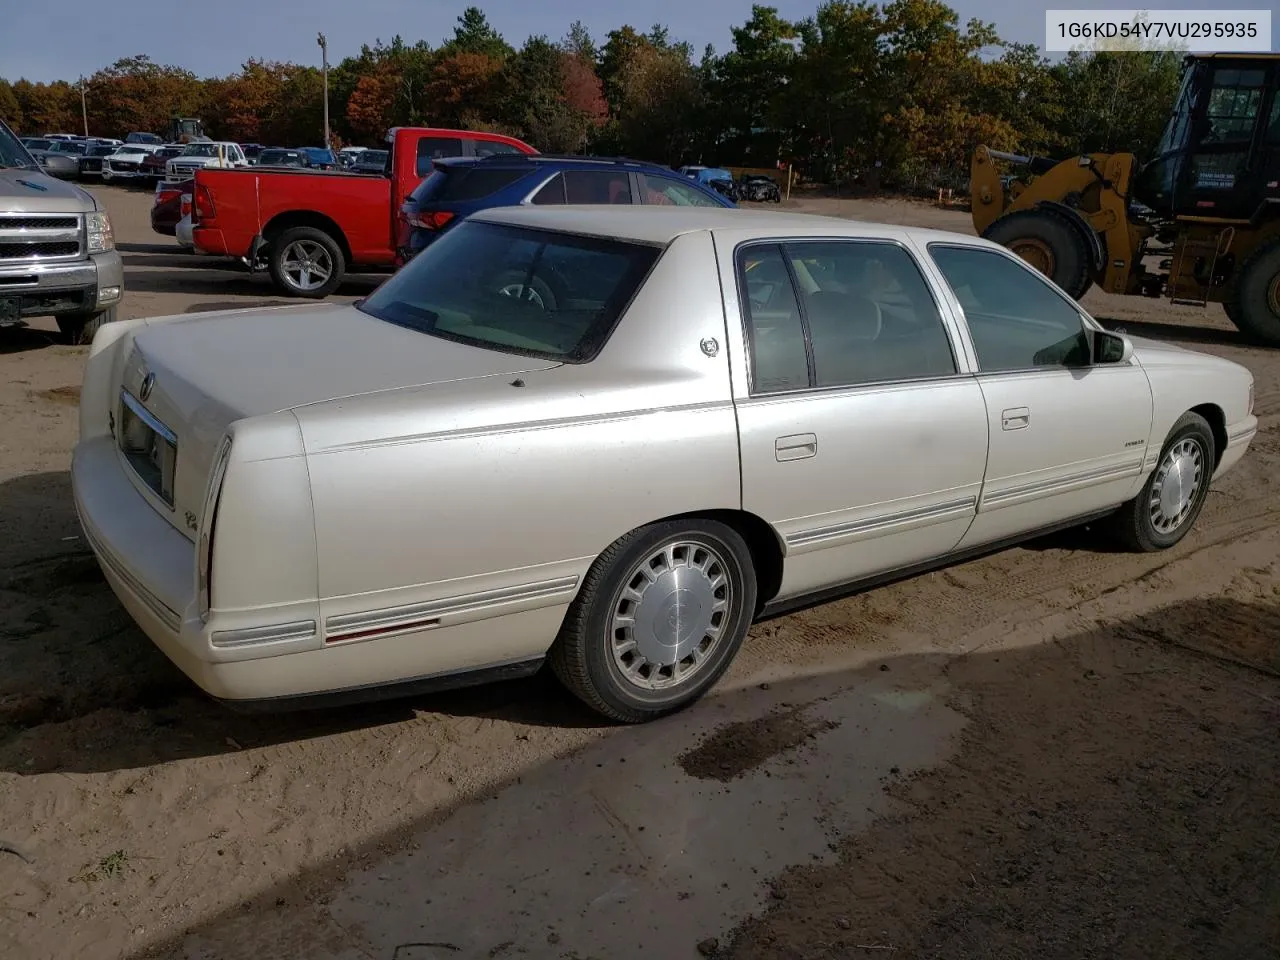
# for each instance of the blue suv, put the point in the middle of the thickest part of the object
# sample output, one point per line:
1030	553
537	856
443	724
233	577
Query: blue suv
460	186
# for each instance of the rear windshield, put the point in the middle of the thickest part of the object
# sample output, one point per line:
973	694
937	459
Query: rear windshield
436	148
279	156
516	290
456	184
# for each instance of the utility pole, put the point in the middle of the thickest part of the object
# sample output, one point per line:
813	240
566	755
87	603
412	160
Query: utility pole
84	109
324	59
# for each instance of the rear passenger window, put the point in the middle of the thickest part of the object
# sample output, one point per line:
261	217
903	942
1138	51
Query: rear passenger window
779	360
493	148
865	315
586	187
436	148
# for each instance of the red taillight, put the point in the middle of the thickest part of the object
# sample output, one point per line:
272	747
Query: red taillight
431	220
164	196
203	208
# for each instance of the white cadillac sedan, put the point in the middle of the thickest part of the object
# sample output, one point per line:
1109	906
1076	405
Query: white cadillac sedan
610	438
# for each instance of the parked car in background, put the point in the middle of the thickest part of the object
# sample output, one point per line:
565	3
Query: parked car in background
792	405
57	251
459	187
251	151
126	163
153	165
306	227
320	158
91	160
758	188
347	156
140	137
166	206
282	157
36	143
182	229
199	156
370	161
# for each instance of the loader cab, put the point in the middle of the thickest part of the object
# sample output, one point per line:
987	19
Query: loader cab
1219	157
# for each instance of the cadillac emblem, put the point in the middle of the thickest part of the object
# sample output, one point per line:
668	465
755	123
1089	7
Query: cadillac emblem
148	383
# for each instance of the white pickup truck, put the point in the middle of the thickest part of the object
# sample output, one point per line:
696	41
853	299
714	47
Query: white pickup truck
198	156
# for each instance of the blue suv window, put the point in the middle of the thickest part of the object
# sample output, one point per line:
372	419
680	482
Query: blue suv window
587	186
668	190
465	182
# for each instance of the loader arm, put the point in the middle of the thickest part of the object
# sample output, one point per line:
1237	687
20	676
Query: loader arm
1090	192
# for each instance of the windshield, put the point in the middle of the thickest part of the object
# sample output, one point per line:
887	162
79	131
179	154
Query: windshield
69	146
372	156
279	156
102	151
200	150
12	152
516	290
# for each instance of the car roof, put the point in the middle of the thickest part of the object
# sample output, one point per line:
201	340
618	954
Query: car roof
554	159
660	223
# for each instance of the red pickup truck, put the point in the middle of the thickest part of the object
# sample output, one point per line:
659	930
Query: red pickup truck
307	227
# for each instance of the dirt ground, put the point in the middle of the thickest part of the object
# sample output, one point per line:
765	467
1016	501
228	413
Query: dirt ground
1056	751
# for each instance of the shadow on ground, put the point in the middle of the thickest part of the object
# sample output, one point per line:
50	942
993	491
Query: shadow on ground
1113	794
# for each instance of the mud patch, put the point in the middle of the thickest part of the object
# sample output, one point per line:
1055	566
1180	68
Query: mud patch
740	747
68	394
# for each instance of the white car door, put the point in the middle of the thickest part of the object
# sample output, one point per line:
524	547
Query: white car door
1068	435
863	436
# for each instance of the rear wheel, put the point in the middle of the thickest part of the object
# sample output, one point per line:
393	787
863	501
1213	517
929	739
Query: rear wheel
306	262
1049	243
1166	508
1254	303
660	616
79	328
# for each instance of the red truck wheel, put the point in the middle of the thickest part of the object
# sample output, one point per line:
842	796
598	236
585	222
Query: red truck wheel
306	262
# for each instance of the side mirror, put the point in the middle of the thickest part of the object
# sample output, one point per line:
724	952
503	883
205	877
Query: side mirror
1111	347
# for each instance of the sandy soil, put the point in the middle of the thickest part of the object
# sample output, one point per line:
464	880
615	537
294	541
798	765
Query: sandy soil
1056	751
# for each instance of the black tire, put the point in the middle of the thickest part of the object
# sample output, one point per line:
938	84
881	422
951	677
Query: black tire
1070	253
538	291
78	328
582	656
1253	304
281	249
1133	524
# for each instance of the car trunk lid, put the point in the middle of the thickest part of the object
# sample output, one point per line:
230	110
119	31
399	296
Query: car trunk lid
184	381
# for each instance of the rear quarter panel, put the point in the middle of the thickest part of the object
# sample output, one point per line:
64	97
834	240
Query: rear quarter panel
439	492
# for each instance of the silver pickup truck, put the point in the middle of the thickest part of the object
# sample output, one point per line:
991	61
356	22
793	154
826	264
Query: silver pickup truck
57	254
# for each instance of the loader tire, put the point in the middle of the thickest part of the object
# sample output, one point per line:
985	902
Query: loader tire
1049	243
1253	304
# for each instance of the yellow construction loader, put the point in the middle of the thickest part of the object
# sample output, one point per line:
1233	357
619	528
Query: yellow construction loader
1207	204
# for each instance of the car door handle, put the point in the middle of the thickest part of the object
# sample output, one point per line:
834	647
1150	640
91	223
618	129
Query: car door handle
797	446
1015	418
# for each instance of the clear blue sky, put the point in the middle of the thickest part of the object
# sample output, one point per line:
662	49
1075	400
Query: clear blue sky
71	37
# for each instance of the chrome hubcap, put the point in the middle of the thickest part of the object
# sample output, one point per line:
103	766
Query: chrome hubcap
307	265
670	614
1178	480
521	292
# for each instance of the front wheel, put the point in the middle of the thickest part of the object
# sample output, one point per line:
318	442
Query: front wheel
79	328
306	262
660	616
1166	508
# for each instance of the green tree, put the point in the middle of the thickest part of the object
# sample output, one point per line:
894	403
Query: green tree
474	34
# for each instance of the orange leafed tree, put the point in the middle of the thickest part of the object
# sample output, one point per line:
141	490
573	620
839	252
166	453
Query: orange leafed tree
369	109
462	83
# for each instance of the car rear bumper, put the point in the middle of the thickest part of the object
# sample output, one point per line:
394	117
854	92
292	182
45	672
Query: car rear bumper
151	567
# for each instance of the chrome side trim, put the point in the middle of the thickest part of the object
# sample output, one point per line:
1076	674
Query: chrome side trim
874	526
464	433
1049	487
421	616
1242	435
147	417
275	633
163	611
